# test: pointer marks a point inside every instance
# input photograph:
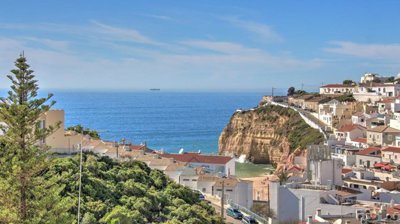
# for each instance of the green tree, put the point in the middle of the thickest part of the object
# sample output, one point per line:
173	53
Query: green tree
348	82
89	218
25	195
290	91
283	177
86	131
299	92
391	79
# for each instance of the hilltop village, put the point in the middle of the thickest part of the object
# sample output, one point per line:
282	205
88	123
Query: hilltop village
352	176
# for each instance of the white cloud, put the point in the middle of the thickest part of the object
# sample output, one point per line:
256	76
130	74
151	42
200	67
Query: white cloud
161	17
123	34
127	59
262	30
389	52
219	46
53	44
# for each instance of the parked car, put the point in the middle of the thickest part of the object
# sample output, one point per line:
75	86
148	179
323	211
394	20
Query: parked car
249	220
234	213
201	195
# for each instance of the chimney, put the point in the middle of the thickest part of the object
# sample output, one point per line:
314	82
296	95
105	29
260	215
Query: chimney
318	212
309	219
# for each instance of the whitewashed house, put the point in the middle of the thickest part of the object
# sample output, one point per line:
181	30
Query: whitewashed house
391	155
350	132
337	89
334	111
368	157
223	165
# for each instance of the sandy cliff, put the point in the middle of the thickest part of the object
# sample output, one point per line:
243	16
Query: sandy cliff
269	134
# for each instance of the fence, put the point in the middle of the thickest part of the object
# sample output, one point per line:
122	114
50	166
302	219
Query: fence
249	212
305	118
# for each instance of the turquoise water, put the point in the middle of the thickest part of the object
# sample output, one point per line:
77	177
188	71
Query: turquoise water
165	120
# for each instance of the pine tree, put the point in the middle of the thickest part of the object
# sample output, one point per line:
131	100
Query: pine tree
25	195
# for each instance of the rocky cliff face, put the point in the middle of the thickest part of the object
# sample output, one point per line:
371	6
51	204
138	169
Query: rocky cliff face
268	134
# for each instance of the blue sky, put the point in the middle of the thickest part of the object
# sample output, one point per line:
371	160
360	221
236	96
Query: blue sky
199	45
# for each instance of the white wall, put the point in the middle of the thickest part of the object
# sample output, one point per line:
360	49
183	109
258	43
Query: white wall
326	172
205	186
296	204
189	181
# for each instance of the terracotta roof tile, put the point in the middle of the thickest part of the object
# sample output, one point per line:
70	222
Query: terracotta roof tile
391	149
346	170
349	127
360	140
197	158
369	151
337	86
384	128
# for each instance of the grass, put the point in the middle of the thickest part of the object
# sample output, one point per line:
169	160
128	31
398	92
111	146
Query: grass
244	170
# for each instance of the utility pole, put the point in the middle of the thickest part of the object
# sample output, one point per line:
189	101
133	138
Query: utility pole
273	91
116	145
222	199
80	185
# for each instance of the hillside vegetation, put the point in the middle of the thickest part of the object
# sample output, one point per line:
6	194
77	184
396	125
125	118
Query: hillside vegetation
298	132
127	192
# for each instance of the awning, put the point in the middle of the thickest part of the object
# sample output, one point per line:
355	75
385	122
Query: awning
388	167
380	164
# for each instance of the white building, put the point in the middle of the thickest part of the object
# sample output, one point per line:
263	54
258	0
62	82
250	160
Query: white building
223	165
381	89
337	89
334	111
295	202
238	191
346	154
370	77
326	172
368	157
362	119
391	155
350	132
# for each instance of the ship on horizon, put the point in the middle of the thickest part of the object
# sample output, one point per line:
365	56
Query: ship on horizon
155	89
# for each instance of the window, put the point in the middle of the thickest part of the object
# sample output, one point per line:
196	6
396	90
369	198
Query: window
230	190
204	189
185	179
194	179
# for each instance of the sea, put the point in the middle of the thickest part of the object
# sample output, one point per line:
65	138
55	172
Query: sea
163	120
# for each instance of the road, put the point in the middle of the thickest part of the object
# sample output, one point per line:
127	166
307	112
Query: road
216	203
228	219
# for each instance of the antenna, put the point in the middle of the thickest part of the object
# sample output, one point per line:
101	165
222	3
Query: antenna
273	91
